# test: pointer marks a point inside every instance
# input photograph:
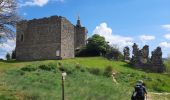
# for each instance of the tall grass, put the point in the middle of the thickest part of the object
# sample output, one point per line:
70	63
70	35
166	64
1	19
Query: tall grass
87	79
45	84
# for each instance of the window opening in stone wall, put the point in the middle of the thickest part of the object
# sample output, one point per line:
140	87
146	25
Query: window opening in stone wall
58	53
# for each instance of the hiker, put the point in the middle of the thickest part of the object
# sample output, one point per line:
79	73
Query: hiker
140	91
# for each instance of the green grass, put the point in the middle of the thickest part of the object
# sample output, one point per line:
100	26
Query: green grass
85	80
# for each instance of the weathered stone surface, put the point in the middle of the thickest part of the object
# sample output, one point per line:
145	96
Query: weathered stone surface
67	39
126	52
48	38
140	59
135	53
156	59
144	55
80	35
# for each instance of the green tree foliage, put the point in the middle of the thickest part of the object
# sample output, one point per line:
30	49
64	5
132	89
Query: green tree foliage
13	55
114	53
8	56
96	45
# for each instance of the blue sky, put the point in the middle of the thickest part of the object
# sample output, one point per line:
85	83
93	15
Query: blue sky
121	22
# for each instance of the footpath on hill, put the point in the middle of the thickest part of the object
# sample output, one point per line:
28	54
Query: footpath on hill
158	96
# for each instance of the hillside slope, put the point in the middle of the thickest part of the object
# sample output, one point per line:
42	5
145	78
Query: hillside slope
41	80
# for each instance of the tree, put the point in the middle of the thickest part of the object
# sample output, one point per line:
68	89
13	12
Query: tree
8	19
8	56
13	55
96	45
114	53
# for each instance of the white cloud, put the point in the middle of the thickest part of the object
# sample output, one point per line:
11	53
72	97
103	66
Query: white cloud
39	3
113	39
25	14
167	36
167	27
7	47
146	38
165	44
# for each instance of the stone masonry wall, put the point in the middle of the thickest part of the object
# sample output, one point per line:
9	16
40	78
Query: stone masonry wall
80	37
41	38
48	38
67	39
140	59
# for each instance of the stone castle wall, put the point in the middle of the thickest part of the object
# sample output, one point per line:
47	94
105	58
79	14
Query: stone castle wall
48	38
67	39
80	37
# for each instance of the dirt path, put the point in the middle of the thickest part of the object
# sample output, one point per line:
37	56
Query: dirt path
158	96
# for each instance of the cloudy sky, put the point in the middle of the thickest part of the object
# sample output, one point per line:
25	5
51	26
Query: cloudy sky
121	22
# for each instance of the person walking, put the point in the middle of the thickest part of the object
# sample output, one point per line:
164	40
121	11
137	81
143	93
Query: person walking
140	91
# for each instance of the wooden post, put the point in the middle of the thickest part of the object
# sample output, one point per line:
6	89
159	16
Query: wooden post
62	87
62	84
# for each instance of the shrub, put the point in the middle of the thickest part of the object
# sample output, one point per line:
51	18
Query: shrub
29	68
47	67
108	71
59	64
95	71
78	66
67	68
114	54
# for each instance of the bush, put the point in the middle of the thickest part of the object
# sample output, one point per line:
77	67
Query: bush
78	66
108	71
47	67
114	54
95	71
29	68
69	69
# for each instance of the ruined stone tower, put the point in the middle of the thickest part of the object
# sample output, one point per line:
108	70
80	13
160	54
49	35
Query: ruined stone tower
48	38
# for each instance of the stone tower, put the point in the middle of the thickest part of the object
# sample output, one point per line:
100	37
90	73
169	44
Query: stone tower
80	35
54	37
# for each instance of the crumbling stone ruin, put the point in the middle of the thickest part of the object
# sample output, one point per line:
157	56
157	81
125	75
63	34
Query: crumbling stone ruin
144	55
126	53
140	58
54	37
156	59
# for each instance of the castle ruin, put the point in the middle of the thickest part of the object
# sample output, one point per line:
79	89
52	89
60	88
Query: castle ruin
49	38
140	58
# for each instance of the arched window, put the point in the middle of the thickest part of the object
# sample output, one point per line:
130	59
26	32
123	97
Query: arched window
22	37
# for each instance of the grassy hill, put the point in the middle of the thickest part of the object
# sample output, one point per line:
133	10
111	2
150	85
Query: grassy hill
86	80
